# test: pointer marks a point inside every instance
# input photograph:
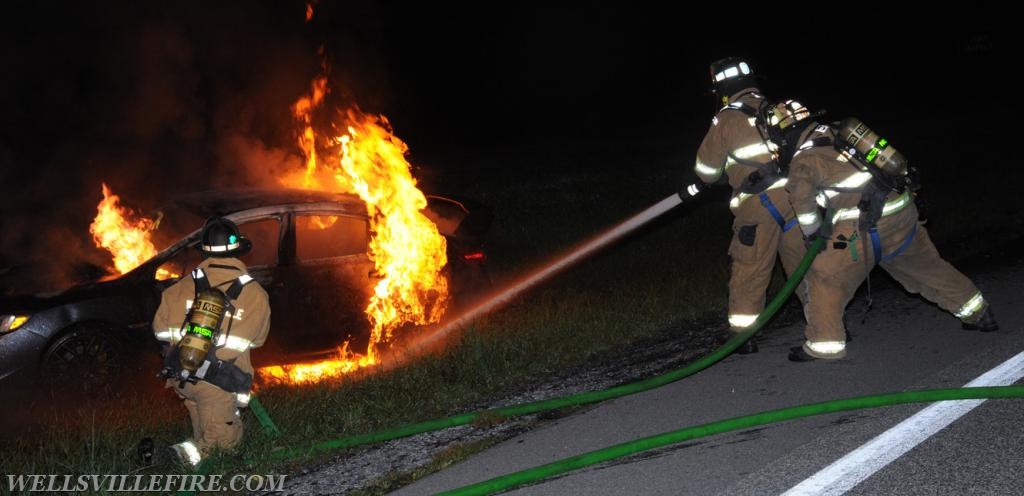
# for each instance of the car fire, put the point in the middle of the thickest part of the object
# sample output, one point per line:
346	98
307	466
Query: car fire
406	248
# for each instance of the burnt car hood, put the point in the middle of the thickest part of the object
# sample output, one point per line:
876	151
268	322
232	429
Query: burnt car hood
88	291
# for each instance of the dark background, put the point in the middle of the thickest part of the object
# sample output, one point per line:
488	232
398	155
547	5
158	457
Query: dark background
161	98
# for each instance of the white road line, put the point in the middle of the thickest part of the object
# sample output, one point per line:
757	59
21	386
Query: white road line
859	464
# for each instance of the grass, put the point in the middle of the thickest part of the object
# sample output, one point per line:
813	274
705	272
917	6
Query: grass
649	285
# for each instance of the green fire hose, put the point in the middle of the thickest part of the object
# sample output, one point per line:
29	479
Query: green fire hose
534	474
261	414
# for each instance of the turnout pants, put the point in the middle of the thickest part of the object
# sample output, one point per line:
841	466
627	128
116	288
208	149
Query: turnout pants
216	422
907	254
757	239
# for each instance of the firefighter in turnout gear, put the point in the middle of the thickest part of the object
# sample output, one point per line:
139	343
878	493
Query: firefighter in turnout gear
737	151
226	313
856	191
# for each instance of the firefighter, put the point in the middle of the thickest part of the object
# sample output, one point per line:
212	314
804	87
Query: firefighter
213	401
860	199
737	151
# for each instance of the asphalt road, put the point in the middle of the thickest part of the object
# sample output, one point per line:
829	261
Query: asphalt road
903	343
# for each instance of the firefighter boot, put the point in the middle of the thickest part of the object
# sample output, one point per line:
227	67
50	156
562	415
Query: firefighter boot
146	451
745	348
151	452
985	323
749	346
798	354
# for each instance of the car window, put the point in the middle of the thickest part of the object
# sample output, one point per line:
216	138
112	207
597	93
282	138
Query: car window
265	236
327	236
180	264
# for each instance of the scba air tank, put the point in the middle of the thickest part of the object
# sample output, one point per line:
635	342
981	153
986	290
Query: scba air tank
203	322
872	149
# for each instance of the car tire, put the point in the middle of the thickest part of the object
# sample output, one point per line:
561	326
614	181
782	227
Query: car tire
85	362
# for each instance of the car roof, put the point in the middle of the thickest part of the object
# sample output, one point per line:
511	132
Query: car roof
227	201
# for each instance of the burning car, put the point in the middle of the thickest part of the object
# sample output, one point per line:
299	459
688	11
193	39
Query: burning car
310	253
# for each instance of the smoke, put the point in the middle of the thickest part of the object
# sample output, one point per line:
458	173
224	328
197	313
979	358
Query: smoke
260	165
154	99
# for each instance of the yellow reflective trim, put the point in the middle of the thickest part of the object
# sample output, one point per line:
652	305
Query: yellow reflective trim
855	180
971	307
897	204
171	334
826	347
738	199
242	399
891	207
741	320
807	219
234	343
706	170
190	451
751	150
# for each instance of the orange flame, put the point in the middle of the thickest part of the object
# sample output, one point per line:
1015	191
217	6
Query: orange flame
406	247
309	11
312	372
127	240
302	110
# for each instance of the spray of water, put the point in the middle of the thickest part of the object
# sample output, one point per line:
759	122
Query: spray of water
579	253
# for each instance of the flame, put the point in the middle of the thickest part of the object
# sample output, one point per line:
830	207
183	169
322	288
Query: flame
406	248
302	110
312	372
309	11
126	239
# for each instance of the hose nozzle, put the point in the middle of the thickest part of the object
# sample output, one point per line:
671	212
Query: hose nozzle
690	191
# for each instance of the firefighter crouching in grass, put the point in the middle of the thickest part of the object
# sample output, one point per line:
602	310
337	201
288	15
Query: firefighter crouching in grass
208	362
848	186
736	150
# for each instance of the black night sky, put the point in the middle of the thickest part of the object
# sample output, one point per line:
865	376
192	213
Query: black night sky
158	98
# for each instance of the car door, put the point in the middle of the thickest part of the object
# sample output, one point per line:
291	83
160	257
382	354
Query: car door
323	283
267	234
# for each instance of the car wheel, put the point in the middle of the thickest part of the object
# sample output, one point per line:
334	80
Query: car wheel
85	361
